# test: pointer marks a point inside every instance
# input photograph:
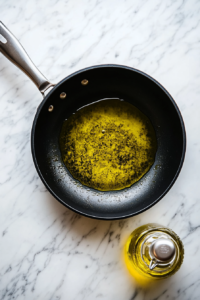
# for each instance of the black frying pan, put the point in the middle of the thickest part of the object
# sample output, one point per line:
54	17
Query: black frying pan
104	81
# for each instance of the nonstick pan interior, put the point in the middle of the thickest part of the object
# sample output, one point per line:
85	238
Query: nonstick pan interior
109	81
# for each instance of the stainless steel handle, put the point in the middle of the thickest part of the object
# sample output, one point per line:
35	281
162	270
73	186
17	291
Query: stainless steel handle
14	51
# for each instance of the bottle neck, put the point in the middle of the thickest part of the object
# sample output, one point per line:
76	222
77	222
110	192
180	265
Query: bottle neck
158	251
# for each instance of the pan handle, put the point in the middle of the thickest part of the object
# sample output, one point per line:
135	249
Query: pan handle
13	50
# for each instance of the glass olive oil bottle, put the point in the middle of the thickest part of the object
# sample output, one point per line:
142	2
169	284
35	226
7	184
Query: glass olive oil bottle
154	252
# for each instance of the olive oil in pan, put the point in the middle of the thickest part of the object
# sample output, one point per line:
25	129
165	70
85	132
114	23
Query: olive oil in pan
108	145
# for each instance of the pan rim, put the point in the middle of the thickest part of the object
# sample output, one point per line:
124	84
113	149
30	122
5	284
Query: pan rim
93	216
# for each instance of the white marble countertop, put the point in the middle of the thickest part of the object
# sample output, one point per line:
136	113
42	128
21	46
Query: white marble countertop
46	250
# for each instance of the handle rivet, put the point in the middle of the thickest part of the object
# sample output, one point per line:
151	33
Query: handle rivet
63	95
50	109
84	82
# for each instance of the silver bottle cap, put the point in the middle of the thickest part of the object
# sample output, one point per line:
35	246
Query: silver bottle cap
163	249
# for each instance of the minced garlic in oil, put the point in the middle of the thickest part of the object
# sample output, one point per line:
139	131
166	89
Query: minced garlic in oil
108	145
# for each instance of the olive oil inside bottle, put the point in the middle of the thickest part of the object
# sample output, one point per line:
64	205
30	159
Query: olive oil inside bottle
138	255
108	145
